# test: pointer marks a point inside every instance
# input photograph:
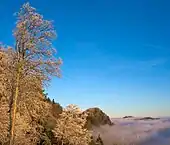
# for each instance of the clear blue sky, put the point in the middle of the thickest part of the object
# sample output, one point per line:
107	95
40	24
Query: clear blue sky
116	52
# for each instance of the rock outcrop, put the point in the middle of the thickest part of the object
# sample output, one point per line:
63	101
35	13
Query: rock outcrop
97	117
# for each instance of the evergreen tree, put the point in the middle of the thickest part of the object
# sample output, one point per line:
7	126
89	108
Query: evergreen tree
99	140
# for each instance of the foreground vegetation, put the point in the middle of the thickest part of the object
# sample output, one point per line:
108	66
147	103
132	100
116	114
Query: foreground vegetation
28	116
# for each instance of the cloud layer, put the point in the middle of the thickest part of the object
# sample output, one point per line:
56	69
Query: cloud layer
130	131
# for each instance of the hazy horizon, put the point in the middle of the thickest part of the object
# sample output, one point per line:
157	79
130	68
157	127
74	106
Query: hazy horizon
116	53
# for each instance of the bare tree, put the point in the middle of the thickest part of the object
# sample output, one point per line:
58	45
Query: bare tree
70	128
34	54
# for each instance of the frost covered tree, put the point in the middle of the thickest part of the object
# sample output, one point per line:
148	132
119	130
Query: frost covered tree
33	60
70	127
31	107
6	78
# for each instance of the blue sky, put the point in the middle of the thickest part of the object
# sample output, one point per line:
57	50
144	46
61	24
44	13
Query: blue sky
116	53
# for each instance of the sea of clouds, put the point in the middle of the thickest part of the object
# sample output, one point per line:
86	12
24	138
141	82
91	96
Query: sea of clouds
135	132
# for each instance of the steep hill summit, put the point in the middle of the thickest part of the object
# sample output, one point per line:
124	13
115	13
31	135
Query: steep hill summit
97	117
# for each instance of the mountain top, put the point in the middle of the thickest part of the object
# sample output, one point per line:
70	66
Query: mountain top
148	118
97	117
128	117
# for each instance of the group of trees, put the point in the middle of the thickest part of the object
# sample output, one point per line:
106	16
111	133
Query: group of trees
27	67
70	127
24	71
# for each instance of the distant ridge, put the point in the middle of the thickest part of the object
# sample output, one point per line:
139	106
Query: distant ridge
128	117
147	118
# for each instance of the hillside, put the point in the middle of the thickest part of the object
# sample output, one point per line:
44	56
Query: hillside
96	117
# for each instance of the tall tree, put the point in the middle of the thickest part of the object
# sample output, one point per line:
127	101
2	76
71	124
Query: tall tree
34	53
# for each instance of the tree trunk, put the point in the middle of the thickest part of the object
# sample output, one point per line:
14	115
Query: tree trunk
14	108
